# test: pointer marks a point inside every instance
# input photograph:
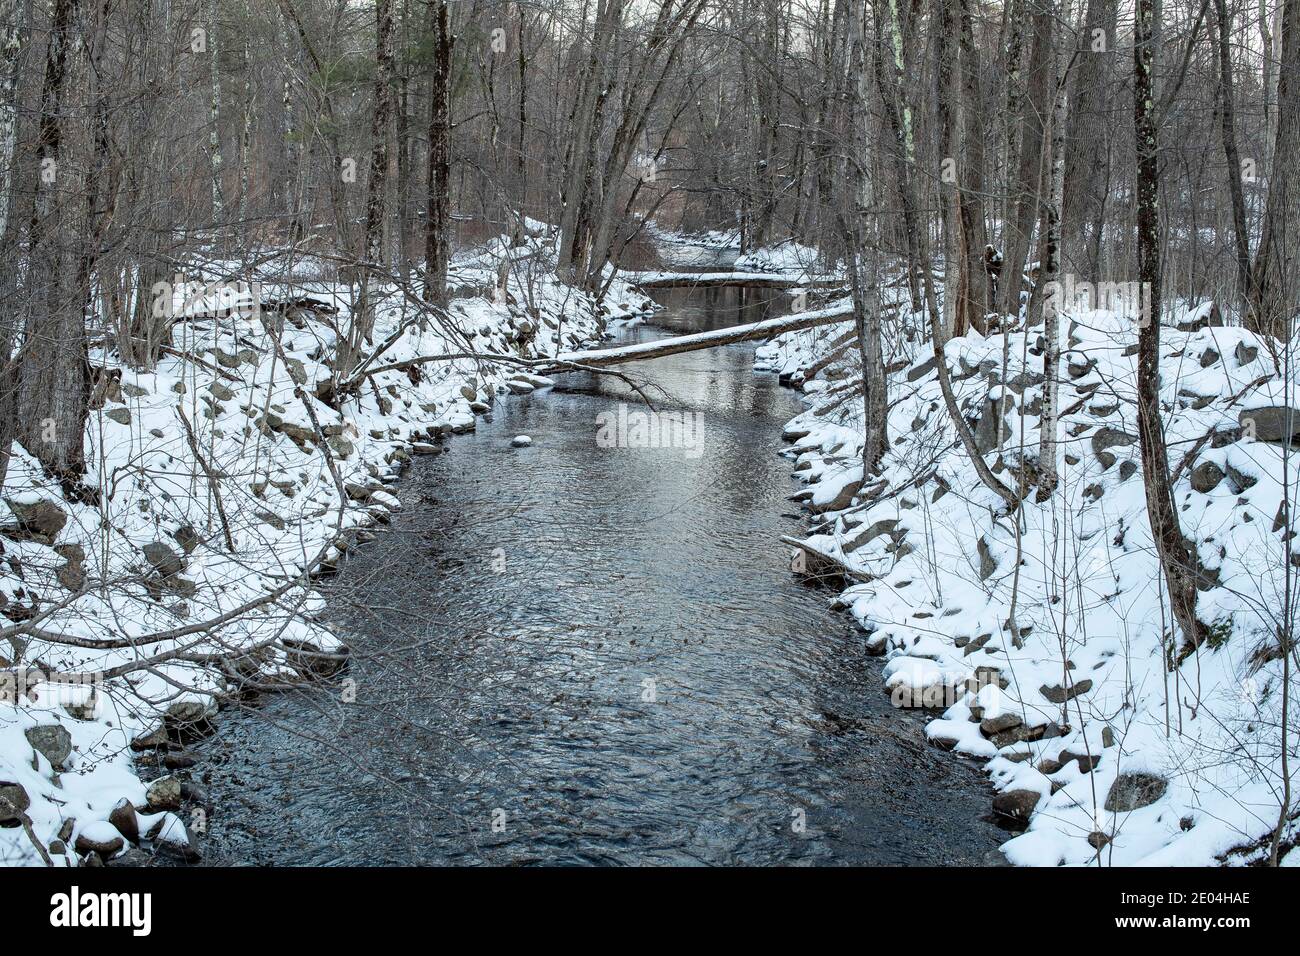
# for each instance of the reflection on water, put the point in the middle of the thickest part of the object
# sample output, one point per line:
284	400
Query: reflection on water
570	653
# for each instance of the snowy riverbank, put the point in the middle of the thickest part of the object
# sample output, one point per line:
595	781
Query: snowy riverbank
1099	751
224	484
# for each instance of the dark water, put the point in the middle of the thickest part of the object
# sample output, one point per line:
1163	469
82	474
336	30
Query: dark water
578	654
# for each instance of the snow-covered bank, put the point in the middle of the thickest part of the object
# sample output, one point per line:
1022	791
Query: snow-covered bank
1053	668
223	483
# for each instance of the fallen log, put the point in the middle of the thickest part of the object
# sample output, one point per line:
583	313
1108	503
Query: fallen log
755	280
753	332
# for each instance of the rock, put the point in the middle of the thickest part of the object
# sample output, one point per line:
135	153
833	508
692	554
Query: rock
164	794
221	392
469	392
1245	354
1105	438
125	821
1206	476
72	573
874	531
521	441
341	446
178	760
1241	480
841	500
13	802
1131	791
920	371
174	841
1097	839
225	359
297	371
1087	762
163	559
424	448
1209	357
1059	695
99	837
988	563
996	725
356	492
190	713
52	741
1271	423
518	387
271	518
120	415
992	424
1022	734
132	858
187	538
1016	805
41	520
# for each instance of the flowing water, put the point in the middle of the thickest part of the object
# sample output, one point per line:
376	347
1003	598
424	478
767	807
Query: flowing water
573	653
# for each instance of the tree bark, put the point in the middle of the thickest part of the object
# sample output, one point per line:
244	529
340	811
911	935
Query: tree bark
437	220
1171	547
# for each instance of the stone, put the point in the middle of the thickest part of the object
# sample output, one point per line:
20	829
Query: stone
133	391
72	573
356	492
1097	839
178	760
1245	354
13	802
99	837
996	725
163	559
1241	480
164	794
1105	438
992	424
52	741
521	441
120	415
1132	791
40	520
132	858
988	563
1059	695
297	370
1127	469
225	359
1209	357
189	713
1087	762
221	392
1016	805
1271	423
271	518
340	446
125	821
920	371
1206	477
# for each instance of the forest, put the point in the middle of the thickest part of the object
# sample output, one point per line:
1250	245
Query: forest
1021	276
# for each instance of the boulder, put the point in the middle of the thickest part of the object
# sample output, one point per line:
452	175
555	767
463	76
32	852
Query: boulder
1105	438
164	794
1059	694
1271	423
52	741
1132	791
99	837
120	415
163	559
1016	805
996	725
72	573
41	520
521	441
13	802
125	821
1206	477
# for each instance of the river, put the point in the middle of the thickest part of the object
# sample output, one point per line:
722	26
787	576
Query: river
575	654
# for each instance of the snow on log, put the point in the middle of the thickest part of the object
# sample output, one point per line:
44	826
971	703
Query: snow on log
757	280
755	331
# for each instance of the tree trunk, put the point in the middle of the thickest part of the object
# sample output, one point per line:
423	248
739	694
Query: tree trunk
1228	114
1276	282
54	375
1171	547
363	319
437	220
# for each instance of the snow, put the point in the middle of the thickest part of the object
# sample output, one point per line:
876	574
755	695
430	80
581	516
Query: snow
255	428
935	561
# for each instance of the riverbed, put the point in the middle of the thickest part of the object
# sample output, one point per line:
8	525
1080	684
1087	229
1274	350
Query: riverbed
587	651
